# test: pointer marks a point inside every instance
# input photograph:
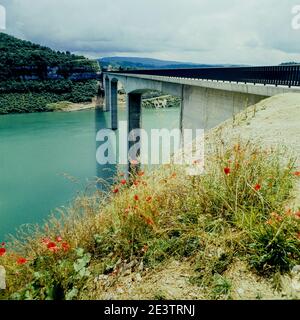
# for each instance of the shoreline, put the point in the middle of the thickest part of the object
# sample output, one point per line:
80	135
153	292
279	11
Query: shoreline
76	107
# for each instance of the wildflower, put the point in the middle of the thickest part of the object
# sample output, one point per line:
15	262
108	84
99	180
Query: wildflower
136	183
3	244
145	248
269	222
227	171
174	175
123	182
257	187
141	173
2	252
136	198
288	212
276	216
297	173
297	215
127	210
59	239
149	221
52	247
116	190
65	246
21	261
149	199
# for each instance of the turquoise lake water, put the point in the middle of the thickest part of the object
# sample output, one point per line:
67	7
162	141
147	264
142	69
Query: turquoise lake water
46	159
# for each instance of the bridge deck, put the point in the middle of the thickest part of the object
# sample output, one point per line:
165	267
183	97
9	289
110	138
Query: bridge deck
269	75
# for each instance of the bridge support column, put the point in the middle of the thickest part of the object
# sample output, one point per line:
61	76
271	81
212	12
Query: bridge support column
114	104
134	107
107	94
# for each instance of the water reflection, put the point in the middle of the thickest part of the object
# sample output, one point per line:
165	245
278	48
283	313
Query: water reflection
106	172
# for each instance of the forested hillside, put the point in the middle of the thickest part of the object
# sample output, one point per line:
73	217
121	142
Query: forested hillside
33	76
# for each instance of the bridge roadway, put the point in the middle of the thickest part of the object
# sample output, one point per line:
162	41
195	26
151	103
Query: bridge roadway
208	96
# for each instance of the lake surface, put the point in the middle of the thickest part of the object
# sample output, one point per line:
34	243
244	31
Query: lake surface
46	159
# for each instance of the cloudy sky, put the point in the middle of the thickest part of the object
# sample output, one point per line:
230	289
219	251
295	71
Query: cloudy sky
205	31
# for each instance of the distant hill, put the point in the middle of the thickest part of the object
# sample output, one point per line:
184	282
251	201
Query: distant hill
147	63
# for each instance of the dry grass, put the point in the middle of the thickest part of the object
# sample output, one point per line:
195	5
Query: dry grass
237	210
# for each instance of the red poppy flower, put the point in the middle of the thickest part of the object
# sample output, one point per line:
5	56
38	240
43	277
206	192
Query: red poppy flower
2	252
276	216
145	249
52	247
257	187
136	183
297	173
141	173
123	182
297	214
136	198
227	171
59	239
269	222
116	190
149	221
21	261
149	199
3	244
65	246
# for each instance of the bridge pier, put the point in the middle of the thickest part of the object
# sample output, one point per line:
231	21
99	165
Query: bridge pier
107	94
114	104
134	108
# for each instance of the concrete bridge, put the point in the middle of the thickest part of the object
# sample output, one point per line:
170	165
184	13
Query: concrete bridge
208	96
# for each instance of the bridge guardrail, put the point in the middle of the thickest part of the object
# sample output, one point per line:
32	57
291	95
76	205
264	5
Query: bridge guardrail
274	75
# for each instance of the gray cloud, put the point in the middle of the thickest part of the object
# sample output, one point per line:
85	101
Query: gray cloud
208	31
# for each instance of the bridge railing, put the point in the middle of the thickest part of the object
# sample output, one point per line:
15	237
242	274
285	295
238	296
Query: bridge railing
274	75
